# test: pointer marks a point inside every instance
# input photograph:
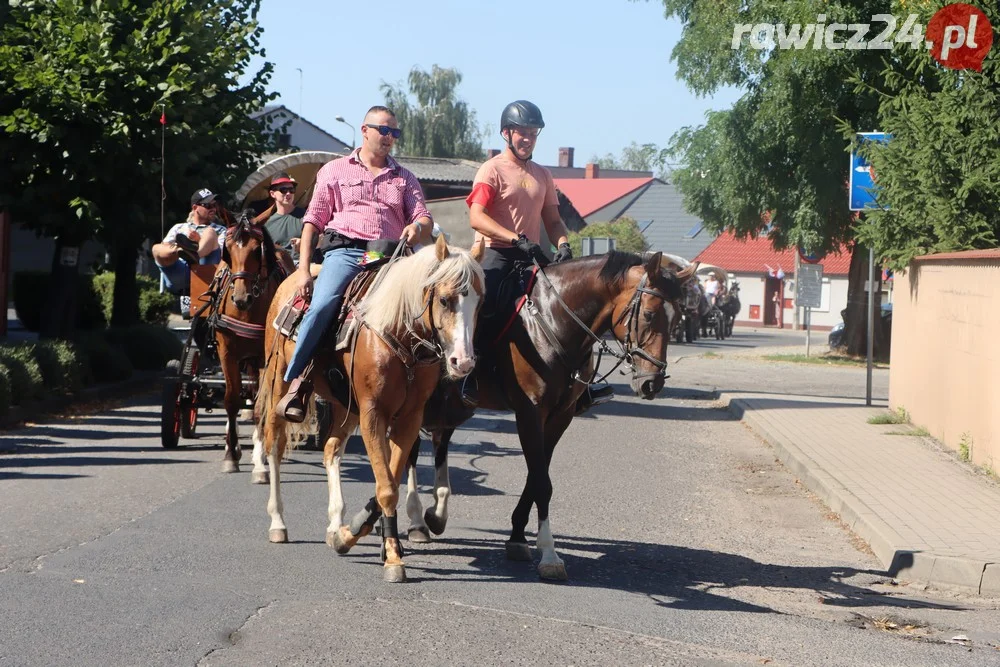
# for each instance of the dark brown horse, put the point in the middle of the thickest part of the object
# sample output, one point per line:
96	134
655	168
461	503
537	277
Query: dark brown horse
244	285
417	323
542	366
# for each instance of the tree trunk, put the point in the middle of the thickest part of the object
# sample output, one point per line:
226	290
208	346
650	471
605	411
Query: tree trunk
125	307
856	314
59	310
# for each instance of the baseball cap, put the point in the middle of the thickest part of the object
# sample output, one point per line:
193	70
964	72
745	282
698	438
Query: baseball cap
281	178
202	196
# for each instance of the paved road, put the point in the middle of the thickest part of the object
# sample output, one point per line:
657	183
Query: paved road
686	543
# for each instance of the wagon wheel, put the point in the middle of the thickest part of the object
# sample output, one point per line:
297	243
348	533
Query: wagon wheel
170	409
189	417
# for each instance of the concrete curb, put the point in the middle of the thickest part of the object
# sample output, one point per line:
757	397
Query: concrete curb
968	574
18	414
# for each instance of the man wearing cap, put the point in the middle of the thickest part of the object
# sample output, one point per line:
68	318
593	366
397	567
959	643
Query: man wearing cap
360	199
284	226
197	240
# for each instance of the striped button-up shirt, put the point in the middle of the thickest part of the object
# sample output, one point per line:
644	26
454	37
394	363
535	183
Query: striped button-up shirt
360	205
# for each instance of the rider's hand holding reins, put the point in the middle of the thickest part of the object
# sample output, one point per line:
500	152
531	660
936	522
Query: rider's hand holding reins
565	252
303	282
531	249
411	233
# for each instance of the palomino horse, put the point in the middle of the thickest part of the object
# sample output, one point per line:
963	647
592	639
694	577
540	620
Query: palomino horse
419	319
543	364
244	285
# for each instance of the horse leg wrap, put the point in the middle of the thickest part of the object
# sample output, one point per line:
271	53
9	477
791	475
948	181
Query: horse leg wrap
389	530
365	517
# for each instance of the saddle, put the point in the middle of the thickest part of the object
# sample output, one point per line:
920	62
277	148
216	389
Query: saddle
345	324
501	307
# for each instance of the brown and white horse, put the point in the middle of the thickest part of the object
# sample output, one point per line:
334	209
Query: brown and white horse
542	366
418	321
245	283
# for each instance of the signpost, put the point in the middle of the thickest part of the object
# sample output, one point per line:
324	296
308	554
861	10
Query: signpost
862	192
809	292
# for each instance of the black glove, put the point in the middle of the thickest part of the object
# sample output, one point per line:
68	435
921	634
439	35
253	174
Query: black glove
564	253
532	250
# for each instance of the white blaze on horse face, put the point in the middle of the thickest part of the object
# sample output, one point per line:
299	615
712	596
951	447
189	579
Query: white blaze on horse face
462	359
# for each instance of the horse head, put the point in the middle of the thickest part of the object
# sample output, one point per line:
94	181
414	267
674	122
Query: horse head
454	296
643	315
250	254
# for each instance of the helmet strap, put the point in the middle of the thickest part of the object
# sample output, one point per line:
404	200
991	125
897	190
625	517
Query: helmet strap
510	145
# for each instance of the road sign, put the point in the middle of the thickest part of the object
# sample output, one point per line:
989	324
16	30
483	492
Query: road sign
861	183
810	257
809	286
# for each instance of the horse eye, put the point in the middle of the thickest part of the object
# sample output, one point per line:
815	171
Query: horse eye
443	300
647	315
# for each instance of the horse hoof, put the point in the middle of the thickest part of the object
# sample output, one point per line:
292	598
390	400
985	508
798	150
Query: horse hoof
230	466
394	574
259	477
553	571
418	535
434	522
519	551
278	535
334	539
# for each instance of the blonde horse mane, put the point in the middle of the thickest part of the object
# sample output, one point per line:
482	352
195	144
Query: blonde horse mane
399	299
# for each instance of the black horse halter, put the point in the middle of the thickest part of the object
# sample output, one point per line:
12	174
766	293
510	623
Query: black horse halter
629	349
244	227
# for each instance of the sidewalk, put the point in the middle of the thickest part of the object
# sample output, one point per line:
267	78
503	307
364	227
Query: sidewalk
927	517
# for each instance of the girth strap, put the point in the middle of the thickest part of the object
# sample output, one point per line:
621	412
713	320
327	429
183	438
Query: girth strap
240	328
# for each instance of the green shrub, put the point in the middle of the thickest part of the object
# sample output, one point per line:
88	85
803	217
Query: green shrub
102	361
625	231
5	392
148	346
30	292
154	306
25	376
60	364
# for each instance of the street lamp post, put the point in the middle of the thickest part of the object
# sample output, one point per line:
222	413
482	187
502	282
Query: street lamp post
341	120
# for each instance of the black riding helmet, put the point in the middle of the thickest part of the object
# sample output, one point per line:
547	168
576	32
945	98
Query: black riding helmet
520	113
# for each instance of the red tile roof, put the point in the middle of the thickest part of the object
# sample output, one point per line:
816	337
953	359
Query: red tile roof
755	255
592	194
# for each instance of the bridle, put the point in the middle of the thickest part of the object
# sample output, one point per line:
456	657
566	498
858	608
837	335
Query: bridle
629	349
244	227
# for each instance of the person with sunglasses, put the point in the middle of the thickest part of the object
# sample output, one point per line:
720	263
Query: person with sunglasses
284	226
362	202
197	240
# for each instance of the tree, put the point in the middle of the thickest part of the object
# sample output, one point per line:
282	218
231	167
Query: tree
628	237
436	123
939	175
85	84
635	157
776	163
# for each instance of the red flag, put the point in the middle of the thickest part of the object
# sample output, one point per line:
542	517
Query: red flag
163	118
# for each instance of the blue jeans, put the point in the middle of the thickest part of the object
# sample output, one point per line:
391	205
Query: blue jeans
177	276
340	266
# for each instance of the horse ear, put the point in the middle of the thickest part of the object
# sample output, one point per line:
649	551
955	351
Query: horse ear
441	247
688	272
652	264
478	250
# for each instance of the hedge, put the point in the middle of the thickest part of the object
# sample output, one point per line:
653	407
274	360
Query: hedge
103	362
5	389
25	374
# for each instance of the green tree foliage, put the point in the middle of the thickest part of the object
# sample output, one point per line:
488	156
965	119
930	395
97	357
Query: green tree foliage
939	176
84	85
434	121
780	153
624	230
636	157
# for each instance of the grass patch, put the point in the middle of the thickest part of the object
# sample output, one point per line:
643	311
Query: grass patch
822	360
965	448
897	417
919	431
711	355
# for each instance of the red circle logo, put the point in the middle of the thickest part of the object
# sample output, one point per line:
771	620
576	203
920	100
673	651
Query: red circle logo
960	36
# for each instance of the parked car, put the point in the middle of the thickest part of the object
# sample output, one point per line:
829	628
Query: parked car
836	337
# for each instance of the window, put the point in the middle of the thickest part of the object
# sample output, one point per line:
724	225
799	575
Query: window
694	231
284	140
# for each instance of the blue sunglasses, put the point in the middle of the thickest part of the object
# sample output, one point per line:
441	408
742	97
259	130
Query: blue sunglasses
385	130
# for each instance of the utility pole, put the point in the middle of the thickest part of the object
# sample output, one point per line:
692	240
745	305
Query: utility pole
299	69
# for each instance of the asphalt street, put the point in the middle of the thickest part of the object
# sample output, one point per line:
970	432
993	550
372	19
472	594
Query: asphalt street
685	541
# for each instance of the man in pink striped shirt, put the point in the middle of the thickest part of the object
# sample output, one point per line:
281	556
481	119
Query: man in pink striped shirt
364	197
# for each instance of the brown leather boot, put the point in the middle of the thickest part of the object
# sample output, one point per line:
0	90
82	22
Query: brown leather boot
292	406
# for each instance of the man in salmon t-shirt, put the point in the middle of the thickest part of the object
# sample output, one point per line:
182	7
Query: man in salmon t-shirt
511	198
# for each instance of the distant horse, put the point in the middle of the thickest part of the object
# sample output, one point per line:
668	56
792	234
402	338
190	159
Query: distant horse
543	364
418	321
244	285
730	306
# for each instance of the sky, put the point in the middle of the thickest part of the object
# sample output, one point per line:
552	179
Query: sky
600	71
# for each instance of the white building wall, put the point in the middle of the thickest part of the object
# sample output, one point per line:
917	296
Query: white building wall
834	300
